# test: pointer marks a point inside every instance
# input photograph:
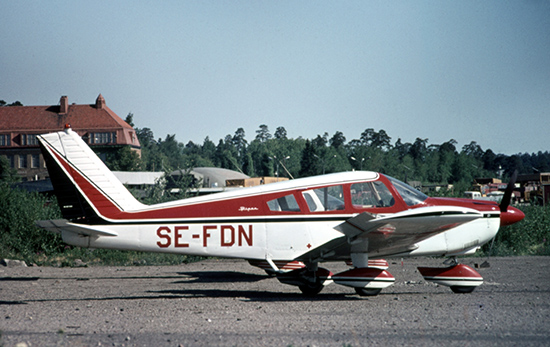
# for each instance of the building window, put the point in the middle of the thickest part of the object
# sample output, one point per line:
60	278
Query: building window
29	140
5	140
22	161
11	159
35	161
98	138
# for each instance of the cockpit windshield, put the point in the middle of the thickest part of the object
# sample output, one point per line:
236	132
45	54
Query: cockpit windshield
410	195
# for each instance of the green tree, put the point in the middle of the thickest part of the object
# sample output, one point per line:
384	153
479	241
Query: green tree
280	133
320	141
337	140
123	159
248	165
130	119
240	143
263	133
7	173
381	140
171	153
208	149
473	150
15	103
309	162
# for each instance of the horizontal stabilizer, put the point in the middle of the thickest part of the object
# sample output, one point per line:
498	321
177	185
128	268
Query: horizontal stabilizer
58	225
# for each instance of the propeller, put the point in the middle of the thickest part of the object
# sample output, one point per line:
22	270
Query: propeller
505	202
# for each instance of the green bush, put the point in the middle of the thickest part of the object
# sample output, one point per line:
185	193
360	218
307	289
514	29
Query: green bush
531	236
19	236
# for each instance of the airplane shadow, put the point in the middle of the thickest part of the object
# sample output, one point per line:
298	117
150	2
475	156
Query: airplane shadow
220	277
257	296
19	279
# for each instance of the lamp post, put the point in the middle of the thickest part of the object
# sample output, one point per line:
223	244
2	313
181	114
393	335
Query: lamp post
274	158
277	162
360	163
284	166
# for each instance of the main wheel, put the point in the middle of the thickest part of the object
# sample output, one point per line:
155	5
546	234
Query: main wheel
311	289
368	291
462	289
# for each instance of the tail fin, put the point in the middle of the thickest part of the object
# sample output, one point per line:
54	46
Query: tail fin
84	186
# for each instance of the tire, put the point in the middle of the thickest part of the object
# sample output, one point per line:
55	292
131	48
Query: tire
311	289
270	273
462	289
368	291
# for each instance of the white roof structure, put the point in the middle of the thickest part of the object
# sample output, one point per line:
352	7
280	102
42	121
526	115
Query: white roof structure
136	178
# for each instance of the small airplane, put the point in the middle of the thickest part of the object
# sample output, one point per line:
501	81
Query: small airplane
286	228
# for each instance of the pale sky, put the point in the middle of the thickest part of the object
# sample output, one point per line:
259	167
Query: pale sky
463	70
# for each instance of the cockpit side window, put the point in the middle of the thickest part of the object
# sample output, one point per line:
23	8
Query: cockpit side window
371	194
410	195
325	199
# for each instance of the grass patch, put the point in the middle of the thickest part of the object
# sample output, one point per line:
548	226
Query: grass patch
76	256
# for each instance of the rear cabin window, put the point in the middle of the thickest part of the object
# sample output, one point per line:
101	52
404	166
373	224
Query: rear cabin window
325	199
285	203
371	194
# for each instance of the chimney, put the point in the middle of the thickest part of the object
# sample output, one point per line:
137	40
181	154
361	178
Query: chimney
100	102
64	105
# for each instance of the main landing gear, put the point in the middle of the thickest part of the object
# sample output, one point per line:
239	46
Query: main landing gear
367	281
311	280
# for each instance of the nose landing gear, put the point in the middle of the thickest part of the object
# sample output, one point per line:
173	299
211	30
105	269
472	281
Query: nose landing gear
459	277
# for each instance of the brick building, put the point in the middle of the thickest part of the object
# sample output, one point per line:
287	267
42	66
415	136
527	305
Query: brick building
98	125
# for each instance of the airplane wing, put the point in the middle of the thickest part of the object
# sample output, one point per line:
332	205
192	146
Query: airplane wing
380	235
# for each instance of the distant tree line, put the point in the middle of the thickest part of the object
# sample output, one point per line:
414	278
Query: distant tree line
277	155
15	103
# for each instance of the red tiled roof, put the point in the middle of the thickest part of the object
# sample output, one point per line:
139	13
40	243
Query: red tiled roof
44	119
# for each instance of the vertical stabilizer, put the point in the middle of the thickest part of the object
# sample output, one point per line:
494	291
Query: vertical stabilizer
85	187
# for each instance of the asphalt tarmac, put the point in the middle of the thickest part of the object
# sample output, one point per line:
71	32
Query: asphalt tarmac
230	303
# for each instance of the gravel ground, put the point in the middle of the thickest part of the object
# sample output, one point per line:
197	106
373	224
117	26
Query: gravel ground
228	302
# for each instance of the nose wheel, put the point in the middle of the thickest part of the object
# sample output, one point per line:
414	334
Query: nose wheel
462	289
461	278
